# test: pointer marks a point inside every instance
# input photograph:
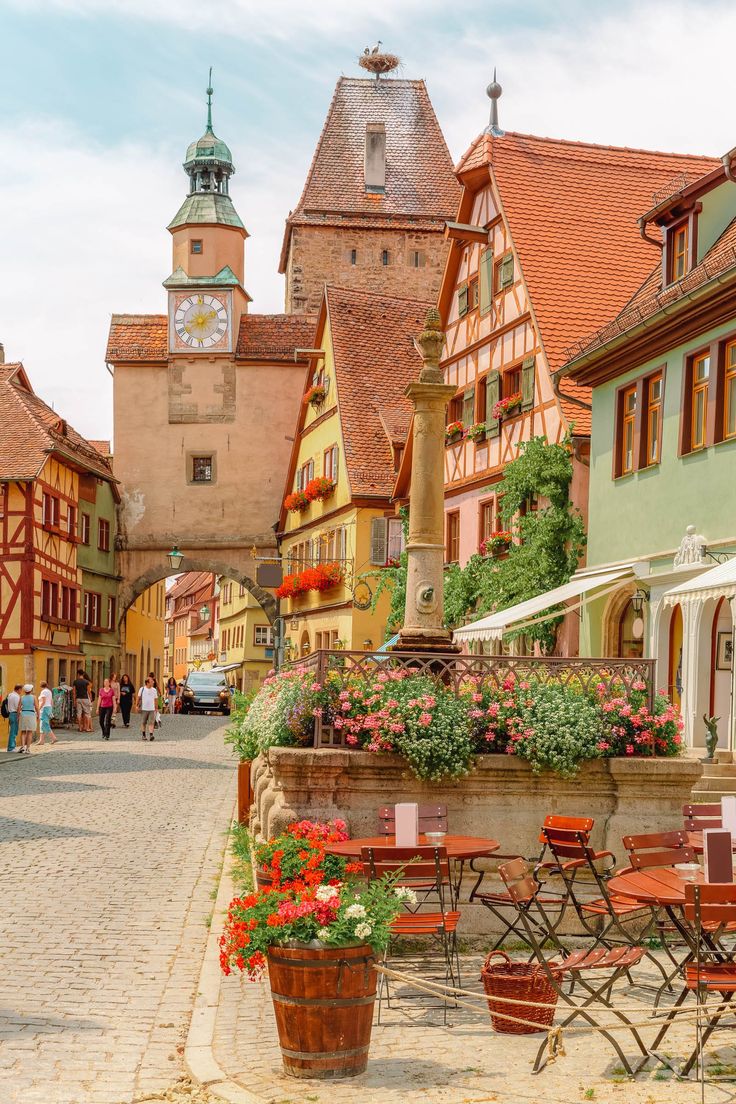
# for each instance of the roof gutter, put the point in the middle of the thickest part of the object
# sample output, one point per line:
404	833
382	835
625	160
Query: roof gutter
726	162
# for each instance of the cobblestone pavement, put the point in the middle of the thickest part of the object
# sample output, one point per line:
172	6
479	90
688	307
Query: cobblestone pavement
109	853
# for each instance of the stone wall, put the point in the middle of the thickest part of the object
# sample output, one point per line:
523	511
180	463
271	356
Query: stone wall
503	799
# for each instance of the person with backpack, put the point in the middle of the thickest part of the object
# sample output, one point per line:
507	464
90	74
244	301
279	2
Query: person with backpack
10	710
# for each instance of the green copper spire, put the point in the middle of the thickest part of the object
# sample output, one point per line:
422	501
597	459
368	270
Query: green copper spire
209	103
209	163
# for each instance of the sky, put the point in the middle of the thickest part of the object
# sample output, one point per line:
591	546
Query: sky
99	99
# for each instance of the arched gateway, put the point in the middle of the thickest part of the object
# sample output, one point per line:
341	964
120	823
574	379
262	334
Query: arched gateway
205	400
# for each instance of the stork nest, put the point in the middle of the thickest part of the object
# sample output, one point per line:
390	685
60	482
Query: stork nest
379	63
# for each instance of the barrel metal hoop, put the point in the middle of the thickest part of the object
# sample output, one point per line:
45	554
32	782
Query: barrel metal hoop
328	1002
324	1055
312	964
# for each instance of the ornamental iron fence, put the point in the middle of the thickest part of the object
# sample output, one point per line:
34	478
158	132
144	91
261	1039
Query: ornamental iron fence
454	671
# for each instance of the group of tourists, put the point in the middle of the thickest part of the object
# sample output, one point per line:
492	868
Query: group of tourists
29	717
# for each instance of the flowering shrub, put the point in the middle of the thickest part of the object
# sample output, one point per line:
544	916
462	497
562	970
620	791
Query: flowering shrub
282	712
321	577
321	487
316	394
296	502
336	915
476	431
504	405
495	542
632	729
297	858
453	429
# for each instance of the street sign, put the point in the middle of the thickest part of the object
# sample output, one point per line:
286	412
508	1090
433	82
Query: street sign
269	574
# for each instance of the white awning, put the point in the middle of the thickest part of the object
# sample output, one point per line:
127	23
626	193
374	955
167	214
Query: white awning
494	625
718	582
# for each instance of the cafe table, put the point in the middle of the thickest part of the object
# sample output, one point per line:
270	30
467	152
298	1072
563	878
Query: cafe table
460	849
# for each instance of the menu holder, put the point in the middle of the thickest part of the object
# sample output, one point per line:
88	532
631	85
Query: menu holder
728	814
717	854
407	824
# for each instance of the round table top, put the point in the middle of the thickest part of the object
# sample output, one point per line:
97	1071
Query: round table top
659	885
458	847
695	839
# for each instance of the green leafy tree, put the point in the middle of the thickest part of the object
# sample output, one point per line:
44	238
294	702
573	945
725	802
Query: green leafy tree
392	580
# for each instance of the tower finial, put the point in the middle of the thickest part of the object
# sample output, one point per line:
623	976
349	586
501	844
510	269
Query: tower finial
209	101
493	91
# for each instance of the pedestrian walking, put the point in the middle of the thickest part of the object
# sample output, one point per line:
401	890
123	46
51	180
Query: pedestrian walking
13	703
27	719
45	710
127	698
105	707
115	684
171	694
83	701
147	703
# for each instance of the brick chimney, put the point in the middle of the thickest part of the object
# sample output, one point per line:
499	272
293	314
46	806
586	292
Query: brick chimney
375	157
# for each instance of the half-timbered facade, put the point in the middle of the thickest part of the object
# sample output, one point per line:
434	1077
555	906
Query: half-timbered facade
545	243
41	461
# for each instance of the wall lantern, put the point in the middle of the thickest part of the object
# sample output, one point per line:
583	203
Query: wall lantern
175	558
637	601
204	612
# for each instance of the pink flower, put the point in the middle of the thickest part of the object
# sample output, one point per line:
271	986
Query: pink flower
476	697
345	707
602	745
425	719
629	749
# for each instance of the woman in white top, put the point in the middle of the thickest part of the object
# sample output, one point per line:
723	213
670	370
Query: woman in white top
45	709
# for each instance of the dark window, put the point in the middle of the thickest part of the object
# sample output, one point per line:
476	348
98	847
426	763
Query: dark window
473	294
452	544
353	256
85	529
103	535
111	611
678	251
512	382
416	258
486	520
201	469
197	245
628	420
653	418
384	257
71	521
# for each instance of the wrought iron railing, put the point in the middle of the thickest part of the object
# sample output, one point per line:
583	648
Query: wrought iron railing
455	670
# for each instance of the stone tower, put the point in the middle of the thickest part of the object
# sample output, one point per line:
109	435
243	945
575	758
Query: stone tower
378	193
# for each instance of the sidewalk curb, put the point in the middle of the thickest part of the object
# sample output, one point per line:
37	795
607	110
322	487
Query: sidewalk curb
199	1057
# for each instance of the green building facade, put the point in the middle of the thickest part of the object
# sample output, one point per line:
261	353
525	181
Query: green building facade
100	638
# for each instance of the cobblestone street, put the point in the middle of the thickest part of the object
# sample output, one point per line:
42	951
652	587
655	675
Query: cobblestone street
109	853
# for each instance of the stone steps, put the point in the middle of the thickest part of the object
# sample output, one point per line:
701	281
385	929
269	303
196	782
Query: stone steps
717	780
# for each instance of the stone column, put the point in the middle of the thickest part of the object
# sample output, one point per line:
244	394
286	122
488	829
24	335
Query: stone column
423	630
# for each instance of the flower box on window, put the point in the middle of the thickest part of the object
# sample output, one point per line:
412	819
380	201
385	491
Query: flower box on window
496	544
321	487
296	502
321	577
453	432
316	395
504	406
477	432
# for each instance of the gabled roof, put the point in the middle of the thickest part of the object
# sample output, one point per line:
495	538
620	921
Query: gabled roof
189	584
30	431
420	183
262	337
572	209
374	362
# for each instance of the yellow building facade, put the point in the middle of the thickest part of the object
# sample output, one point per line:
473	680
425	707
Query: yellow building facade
351	434
144	635
245	635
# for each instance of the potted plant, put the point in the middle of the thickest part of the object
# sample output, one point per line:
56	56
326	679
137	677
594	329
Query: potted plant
496	544
477	432
453	432
296	502
711	737
316	395
298	855
503	406
321	487
244	744
319	944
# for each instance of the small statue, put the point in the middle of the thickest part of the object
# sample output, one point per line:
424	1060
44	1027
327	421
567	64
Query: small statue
691	550
711	735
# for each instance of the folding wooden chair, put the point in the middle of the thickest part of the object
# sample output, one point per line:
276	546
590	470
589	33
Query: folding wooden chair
419	866
595	971
432	818
699	817
500	904
710	912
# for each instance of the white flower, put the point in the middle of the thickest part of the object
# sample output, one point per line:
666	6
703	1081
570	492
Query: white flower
325	893
323	935
406	894
355	910
363	930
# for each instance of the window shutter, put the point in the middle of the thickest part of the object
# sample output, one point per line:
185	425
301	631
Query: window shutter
486	281
469	407
395	538
493	394
527	383
335	460
462	300
379	541
507	270
299	479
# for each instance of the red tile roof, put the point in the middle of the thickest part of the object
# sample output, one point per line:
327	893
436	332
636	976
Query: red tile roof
144	337
375	360
103	447
30	431
572	209
420	183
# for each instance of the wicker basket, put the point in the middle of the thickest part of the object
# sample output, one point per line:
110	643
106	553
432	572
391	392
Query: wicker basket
519	981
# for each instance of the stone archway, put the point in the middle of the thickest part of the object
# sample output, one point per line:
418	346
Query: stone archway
613	612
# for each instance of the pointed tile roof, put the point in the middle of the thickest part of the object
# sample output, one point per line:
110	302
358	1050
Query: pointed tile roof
421	189
262	337
30	431
572	209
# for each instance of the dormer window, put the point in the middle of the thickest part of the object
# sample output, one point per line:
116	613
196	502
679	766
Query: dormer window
196	245
678	251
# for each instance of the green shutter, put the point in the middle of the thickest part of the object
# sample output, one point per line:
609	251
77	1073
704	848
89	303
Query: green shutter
462	300
469	407
527	383
507	270
486	280
493	394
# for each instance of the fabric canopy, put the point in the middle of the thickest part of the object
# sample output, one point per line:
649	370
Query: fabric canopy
494	625
719	582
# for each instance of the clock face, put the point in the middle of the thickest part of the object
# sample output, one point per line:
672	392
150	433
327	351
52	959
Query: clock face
200	321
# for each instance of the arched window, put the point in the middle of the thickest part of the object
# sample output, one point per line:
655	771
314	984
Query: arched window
630	633
304	646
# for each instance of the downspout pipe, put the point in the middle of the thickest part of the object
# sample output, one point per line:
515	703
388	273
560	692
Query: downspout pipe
652	241
726	162
556	377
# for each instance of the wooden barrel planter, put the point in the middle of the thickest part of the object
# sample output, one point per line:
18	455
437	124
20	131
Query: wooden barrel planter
263	878
323	999
245	791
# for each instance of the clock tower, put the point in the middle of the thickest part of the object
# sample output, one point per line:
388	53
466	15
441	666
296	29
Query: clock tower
206	293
